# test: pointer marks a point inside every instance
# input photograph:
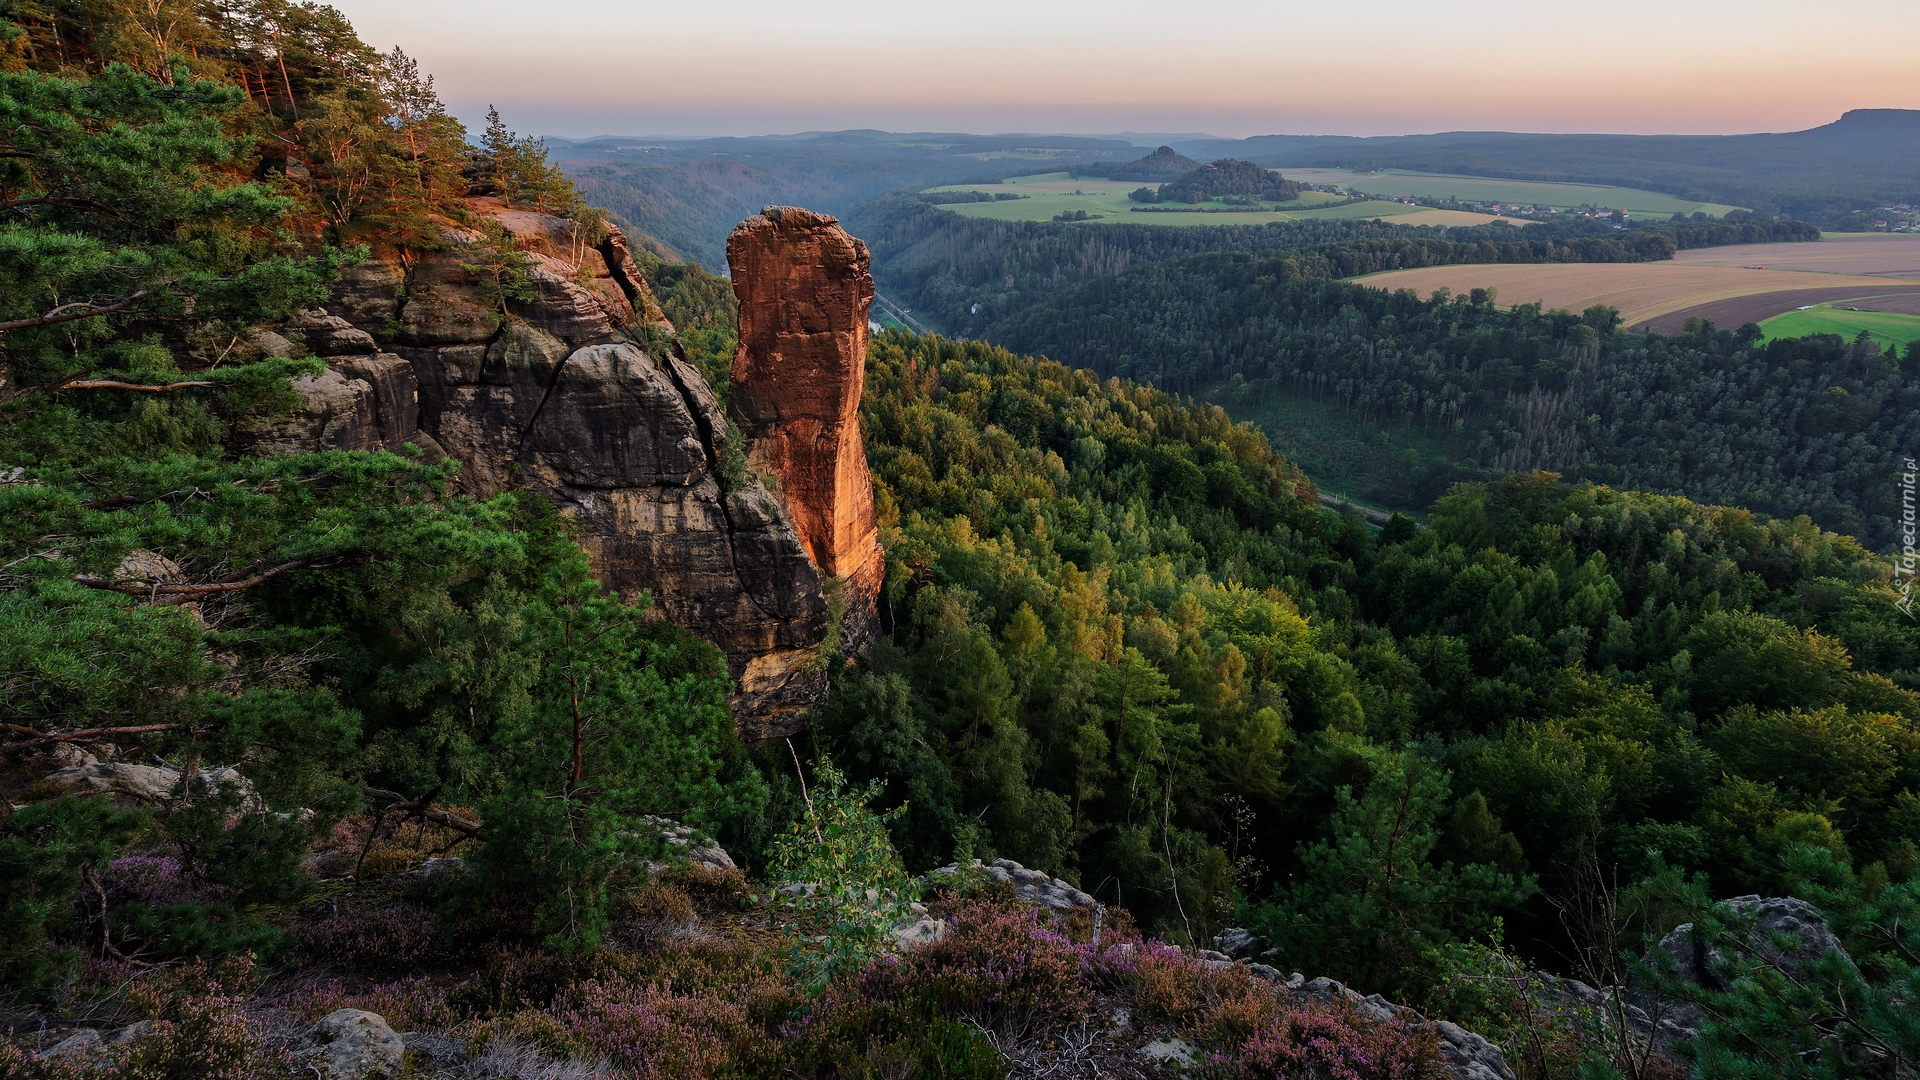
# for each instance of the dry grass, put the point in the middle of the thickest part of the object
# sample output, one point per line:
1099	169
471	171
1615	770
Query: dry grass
1641	291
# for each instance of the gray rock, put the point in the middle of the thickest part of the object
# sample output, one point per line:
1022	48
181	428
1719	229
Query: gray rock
149	783
271	343
1468	1056
353	1044
1176	1052
1236	942
922	931
1805	930
129	1033
1032	886
331	335
79	1041
572	399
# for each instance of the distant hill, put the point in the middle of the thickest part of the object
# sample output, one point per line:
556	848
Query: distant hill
691	192
1865	158
1159	167
1227	178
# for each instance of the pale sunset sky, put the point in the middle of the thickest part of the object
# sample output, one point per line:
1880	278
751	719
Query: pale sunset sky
1226	67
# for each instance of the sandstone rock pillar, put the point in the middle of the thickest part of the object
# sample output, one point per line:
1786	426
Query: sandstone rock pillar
804	291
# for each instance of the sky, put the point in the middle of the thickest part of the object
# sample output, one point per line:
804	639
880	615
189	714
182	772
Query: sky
1226	67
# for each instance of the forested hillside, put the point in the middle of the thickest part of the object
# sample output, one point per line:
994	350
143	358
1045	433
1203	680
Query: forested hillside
1814	426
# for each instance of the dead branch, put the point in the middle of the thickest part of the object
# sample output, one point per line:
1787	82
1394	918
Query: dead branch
80	309
85	736
422	808
182	594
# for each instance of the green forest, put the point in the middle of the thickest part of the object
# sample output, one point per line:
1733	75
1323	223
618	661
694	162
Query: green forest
1815	426
405	754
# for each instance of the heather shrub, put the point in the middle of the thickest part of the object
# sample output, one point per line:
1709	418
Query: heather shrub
1003	965
1218	1007
381	935
1333	1042
658	914
656	1033
415	1004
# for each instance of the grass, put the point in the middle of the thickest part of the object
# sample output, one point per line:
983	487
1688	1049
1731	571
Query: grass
1055	193
1886	327
1401	182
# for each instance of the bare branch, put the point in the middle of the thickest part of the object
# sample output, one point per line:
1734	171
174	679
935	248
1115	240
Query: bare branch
83	309
116	384
423	809
87	735
184	594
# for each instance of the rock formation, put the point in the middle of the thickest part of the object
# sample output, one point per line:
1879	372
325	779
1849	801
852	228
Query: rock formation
582	395
804	291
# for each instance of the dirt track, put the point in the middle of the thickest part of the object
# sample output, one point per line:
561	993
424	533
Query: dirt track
1730	313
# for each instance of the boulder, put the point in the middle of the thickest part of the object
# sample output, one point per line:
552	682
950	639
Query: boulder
353	1044
79	1041
922	931
1468	1056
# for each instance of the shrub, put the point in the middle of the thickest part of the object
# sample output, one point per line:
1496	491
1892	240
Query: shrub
1334	1042
857	889
385	935
658	1033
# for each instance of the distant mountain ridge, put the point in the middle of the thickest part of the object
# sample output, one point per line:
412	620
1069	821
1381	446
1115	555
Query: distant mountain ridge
1866	157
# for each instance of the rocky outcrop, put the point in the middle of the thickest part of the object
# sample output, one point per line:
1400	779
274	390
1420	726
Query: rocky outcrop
1782	933
1032	886
581	394
804	291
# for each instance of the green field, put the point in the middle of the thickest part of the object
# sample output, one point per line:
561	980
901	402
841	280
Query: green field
1886	327
1400	182
1054	193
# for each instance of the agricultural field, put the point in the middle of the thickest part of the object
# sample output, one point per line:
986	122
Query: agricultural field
1400	183
1888	254
1052	194
1847	320
1653	295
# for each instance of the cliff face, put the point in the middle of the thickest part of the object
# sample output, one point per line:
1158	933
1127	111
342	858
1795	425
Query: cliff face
582	395
804	291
